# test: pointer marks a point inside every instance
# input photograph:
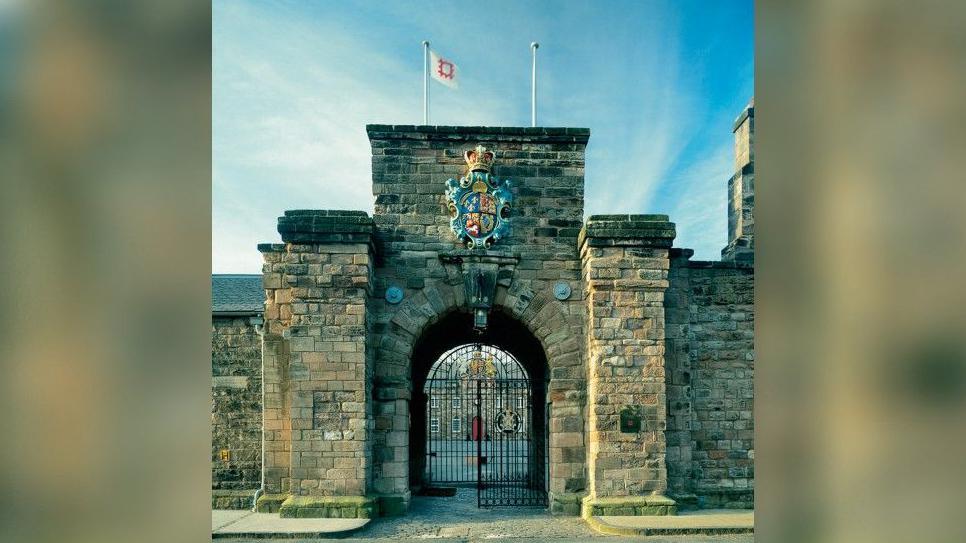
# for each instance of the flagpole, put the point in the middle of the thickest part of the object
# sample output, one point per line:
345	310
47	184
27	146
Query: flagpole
533	95
425	82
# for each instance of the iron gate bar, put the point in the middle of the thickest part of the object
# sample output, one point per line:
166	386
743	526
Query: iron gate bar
508	455
479	444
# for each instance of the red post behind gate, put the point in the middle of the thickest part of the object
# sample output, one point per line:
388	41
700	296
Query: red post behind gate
477	428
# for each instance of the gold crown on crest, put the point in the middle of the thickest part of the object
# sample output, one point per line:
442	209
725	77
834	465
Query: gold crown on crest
478	160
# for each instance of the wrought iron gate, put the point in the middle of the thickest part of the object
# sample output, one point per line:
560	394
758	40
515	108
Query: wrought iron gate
482	428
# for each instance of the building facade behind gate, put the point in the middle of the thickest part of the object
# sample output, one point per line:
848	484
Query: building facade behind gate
640	360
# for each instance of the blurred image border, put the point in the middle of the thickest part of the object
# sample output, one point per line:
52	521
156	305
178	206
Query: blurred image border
105	141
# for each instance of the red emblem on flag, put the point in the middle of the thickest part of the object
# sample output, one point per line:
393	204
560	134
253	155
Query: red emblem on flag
445	69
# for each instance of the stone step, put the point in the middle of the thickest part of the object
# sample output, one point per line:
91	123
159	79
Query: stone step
246	524
704	522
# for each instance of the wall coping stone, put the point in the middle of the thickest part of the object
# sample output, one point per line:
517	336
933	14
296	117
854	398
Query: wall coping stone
325	213
474	133
749	111
323	226
271	247
627	230
685	254
722	264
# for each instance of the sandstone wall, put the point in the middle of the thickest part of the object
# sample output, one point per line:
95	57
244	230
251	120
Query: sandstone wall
410	166
317	355
723	361
236	411
741	191
711	382
626	273
646	337
679	373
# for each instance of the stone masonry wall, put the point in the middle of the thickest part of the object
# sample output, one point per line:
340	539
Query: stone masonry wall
318	365
650	360
625	263
236	411
677	312
711	382
723	361
416	252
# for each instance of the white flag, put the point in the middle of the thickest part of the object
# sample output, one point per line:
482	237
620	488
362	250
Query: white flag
443	70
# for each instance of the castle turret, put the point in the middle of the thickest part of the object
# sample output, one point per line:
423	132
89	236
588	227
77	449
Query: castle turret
741	190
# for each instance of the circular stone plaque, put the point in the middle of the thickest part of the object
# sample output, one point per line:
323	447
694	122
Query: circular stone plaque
561	291
394	295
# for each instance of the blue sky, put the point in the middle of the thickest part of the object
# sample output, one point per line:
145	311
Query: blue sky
294	84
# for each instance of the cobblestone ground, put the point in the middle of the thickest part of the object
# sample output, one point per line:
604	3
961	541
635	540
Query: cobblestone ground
457	519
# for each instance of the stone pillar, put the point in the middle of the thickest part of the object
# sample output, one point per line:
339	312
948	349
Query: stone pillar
741	191
625	268
678	370
318	365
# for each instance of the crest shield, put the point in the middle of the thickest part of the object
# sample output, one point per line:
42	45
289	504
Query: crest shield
479	203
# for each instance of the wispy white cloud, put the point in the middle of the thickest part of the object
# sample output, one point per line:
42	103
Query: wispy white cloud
700	208
673	153
294	86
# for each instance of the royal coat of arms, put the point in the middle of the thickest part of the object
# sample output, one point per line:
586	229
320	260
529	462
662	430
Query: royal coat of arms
480	366
479	203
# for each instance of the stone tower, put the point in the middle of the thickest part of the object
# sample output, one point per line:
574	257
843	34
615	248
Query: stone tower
741	190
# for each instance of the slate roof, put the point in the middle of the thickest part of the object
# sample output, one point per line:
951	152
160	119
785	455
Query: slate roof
235	293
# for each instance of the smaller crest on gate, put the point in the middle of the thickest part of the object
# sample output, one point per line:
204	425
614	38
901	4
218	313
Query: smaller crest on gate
479	203
508	421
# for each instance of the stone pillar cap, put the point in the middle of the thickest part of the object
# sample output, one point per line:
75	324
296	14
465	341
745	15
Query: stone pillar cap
639	230
325	226
537	134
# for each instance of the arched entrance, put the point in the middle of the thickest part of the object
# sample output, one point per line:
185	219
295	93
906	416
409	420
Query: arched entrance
479	412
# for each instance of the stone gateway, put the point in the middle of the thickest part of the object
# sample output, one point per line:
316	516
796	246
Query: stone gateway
478	330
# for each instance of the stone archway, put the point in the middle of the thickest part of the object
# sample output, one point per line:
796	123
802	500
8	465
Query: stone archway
349	299
504	334
553	330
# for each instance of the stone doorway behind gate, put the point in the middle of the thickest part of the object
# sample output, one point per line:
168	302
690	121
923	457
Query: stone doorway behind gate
479	412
